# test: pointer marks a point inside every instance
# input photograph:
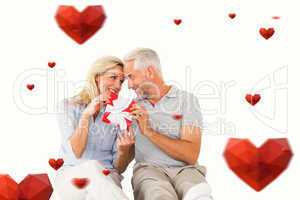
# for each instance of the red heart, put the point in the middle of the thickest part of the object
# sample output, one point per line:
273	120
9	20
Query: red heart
258	167
177	21
106	172
253	99
232	15
266	33
9	189
51	64
80	26
56	164
80	183
177	116
35	187
30	86
32	187
276	17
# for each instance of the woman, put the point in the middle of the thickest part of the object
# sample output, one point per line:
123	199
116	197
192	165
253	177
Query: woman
85	137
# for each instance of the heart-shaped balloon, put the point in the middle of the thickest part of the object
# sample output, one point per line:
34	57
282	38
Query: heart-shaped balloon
258	167
80	26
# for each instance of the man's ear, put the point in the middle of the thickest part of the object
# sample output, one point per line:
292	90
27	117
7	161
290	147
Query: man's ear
150	71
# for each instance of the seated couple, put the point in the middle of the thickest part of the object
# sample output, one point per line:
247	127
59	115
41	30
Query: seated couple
164	139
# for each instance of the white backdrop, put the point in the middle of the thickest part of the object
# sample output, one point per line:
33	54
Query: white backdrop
225	58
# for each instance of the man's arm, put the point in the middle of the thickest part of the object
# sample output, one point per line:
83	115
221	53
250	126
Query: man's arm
185	149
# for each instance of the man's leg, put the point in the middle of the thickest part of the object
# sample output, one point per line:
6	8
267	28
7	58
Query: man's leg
190	184
151	183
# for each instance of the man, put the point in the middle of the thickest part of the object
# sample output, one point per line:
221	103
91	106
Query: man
168	134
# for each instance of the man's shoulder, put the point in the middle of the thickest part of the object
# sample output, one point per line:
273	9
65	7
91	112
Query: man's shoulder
184	94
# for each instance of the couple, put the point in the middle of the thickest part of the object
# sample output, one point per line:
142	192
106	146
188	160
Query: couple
164	139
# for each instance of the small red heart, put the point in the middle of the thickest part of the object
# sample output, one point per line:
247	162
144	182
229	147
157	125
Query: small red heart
30	86
258	167
51	64
252	99
177	116
80	26
232	15
106	172
177	21
80	183
276	17
56	164
266	33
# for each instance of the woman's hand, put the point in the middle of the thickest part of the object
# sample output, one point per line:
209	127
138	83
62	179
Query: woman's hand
96	104
125	142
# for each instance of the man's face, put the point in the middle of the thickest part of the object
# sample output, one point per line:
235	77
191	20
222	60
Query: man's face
136	78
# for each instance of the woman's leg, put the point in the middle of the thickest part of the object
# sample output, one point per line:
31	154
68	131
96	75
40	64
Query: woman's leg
63	186
99	186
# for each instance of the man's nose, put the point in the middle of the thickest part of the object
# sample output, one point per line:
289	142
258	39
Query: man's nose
130	85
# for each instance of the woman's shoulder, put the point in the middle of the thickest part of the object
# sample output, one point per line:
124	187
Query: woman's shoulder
72	102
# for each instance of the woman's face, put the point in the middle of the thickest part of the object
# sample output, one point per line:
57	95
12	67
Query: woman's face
111	80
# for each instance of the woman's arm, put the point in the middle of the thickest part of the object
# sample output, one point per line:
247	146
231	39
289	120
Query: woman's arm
125	151
79	138
123	160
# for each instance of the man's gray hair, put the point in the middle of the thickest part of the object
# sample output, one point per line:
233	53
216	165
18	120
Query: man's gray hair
143	57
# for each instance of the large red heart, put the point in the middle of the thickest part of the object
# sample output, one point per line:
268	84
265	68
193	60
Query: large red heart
9	189
267	33
252	99
32	187
258	167
56	164
80	26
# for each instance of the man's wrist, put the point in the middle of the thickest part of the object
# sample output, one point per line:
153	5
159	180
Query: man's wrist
149	133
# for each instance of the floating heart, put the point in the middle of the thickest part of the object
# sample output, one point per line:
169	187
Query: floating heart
56	164
276	17
51	64
106	172
232	15
80	183
80	26
32	187
258	167
35	187
252	99
30	86
177	21
177	116
266	33
9	189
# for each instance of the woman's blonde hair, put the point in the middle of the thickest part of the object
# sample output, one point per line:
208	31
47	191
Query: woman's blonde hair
90	90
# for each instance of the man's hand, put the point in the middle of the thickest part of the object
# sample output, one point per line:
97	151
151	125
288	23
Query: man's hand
142	117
